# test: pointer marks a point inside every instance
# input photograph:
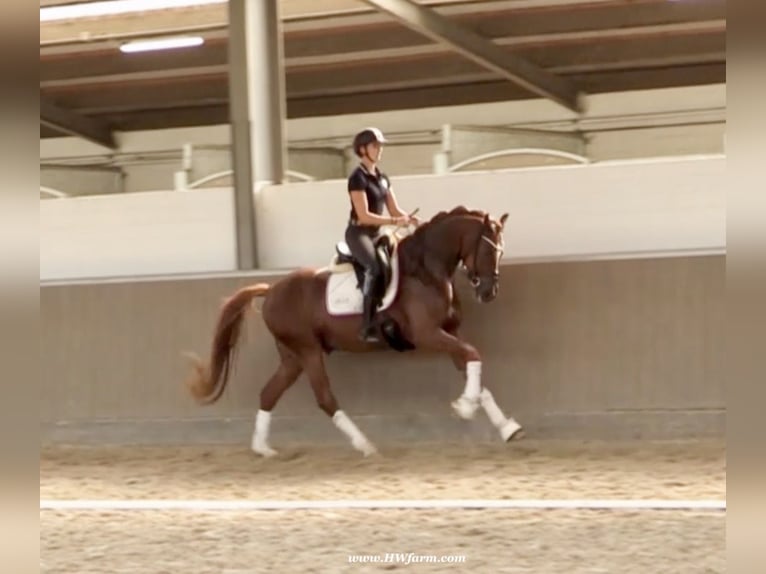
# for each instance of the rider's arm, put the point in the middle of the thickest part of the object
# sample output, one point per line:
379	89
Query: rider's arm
359	200
392	206
396	211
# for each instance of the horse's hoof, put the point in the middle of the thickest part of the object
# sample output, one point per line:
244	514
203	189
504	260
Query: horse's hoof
367	449
465	407
264	450
511	430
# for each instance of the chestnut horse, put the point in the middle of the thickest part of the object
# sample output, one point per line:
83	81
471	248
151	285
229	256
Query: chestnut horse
425	315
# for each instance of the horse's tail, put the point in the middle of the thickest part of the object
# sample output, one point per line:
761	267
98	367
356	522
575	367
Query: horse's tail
207	383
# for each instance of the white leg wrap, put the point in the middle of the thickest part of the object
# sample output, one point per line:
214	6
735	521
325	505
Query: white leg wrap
260	443
358	440
508	427
473	379
468	402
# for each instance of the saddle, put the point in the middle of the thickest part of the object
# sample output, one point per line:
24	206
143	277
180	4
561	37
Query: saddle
344	285
344	289
344	261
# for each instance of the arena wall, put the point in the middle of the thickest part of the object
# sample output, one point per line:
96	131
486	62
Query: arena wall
578	349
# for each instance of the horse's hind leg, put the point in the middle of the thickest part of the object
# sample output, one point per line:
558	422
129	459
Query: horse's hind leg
320	383
288	372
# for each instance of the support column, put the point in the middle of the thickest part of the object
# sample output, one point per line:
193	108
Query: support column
257	112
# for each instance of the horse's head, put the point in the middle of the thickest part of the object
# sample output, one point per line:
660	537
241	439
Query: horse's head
482	262
462	236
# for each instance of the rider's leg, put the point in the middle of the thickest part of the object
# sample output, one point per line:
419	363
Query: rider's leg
362	247
368	331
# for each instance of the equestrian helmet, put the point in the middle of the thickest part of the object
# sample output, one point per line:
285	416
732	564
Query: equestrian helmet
367	136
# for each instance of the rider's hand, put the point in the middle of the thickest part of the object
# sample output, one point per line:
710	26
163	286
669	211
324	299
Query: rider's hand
401	220
414	220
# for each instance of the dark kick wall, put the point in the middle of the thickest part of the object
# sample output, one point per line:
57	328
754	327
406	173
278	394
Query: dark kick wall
609	349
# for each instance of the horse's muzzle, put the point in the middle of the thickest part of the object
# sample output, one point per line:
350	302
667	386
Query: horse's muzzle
485	291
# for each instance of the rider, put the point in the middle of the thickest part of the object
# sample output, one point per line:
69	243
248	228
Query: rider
370	190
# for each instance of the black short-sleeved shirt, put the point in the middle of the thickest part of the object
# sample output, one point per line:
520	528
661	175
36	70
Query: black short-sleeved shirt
375	187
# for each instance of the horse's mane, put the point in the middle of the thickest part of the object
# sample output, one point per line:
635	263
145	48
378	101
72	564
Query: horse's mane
413	250
443	215
459	210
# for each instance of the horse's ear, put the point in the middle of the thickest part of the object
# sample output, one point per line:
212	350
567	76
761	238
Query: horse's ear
502	219
487	220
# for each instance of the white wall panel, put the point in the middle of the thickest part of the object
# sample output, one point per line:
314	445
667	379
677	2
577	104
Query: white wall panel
566	212
137	234
609	210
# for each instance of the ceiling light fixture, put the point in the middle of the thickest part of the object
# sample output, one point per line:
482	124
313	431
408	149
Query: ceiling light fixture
113	7
161	44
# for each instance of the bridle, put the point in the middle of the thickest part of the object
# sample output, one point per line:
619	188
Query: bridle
499	249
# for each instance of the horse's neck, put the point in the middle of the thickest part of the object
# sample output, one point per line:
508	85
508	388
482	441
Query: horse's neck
462	230
442	247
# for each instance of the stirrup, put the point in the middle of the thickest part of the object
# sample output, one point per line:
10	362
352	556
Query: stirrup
369	335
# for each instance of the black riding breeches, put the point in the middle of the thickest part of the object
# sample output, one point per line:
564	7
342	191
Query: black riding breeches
361	242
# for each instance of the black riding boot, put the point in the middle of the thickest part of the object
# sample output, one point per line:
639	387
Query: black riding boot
369	330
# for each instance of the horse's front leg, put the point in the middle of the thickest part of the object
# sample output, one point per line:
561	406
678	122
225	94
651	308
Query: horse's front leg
452	326
457	358
467	359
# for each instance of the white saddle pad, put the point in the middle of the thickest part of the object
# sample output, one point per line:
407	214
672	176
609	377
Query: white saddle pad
345	298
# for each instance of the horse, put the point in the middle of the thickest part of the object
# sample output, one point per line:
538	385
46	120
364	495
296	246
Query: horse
425	314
